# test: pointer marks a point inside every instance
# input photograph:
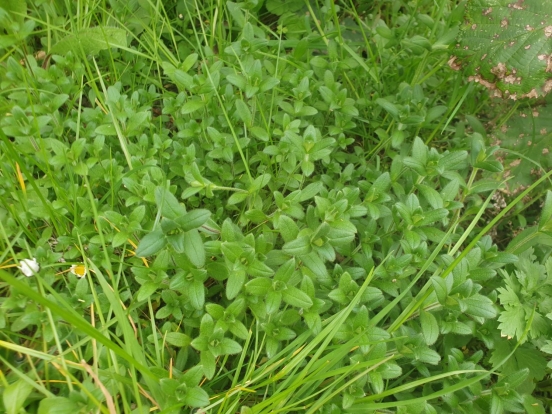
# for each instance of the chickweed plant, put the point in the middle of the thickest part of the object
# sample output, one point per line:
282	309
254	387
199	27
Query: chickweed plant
269	206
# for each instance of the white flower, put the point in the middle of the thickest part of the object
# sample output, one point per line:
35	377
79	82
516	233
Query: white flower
78	270
29	267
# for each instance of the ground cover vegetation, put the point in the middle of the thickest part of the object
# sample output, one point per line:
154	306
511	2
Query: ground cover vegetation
275	206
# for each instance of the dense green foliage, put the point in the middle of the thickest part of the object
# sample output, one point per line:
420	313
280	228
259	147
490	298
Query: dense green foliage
255	207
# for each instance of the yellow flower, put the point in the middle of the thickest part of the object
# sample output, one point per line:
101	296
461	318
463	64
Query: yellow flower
78	270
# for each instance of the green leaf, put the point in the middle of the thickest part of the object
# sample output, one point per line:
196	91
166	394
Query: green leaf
237	198
192	106
273	300
310	191
279	7
431	195
15	395
208	362
479	305
230	347
259	182
107	129
119	239
236	12
288	228
57	405
192	377
194	248
260	133
178	339
151	243
427	355
430	328
297	247
259	286
285	271
168	226
514	379
196	397
259	269
237	80
193	219
169	205
16	8
179	77
177	242
256	216
196	294
432	216
243	112
512	322
146	290
497	406
545	222
490	165
189	62
390	370
440	287
419	151
453	160
532	405
268	83
90	41
234	283
504	46
295	297
524	240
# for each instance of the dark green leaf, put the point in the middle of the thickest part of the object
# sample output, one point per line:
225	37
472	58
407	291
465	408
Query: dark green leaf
296	297
151	243
189	62
432	216
107	129
237	198
196	294
298	246
230	347
259	286
479	305
177	242
193	219
237	14
194	248
169	205
427	355
192	106
196	397
243	112
430	328
440	287
259	182
545	222
209	365
288	228
146	290
234	283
